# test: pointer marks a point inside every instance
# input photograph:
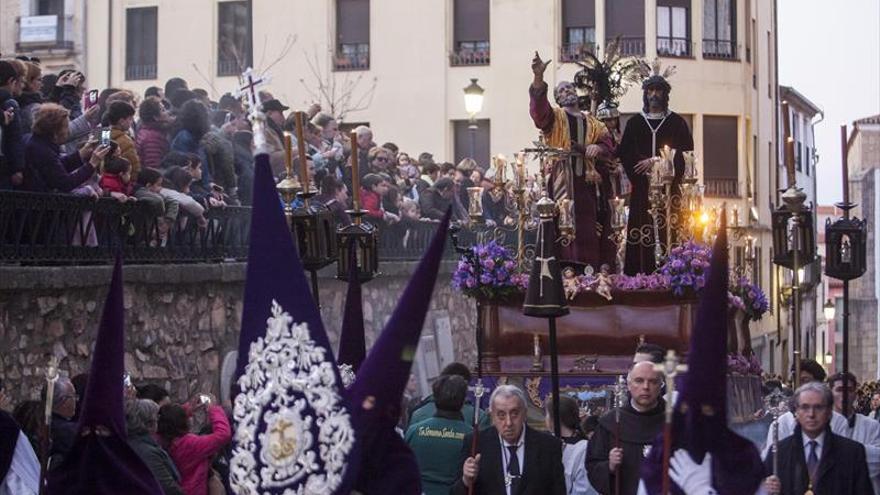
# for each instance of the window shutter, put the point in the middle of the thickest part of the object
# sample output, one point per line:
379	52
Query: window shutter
719	147
353	21
471	19
579	13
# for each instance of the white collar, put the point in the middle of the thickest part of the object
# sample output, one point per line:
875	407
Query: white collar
820	440
519	442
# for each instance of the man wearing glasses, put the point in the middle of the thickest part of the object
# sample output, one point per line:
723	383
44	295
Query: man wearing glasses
641	419
814	460
63	431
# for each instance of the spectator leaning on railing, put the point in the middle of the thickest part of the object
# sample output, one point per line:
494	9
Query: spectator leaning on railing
49	171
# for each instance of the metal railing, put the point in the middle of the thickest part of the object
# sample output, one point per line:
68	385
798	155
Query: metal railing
674	47
352	57
719	49
140	72
575	52
467	56
229	67
721	188
629	46
41	228
61	229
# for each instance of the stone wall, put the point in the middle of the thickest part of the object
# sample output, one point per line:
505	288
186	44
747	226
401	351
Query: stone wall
183	320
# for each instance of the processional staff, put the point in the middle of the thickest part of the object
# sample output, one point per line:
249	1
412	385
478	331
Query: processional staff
620	400
45	437
671	368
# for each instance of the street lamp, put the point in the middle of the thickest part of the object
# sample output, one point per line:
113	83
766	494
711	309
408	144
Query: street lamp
829	309
473	104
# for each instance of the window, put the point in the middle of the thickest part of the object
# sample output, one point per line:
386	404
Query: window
625	20
141	42
234	53
750	30
720	166
472	143
352	35
471	33
719	29
50	7
673	33
579	29
807	159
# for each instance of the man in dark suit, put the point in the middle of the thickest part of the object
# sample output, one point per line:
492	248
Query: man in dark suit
814	460
512	458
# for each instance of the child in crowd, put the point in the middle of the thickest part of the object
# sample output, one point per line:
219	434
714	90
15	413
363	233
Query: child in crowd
116	179
148	191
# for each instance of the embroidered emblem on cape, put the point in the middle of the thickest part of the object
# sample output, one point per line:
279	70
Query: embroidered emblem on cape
293	432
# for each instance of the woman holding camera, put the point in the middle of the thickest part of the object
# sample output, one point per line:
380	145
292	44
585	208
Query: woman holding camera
193	454
47	170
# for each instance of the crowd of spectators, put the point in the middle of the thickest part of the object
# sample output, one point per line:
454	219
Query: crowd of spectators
175	150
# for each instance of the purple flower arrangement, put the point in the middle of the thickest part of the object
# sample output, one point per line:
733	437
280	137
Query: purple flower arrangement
687	267
641	281
754	301
742	365
497	272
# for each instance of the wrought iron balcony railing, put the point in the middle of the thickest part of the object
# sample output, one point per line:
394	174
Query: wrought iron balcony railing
352	57
674	47
720	49
629	46
575	52
721	188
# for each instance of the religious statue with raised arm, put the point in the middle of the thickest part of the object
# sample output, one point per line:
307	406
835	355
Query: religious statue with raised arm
645	134
578	177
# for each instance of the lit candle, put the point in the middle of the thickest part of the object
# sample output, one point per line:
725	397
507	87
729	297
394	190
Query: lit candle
355	173
520	170
301	148
288	154
735	216
501	166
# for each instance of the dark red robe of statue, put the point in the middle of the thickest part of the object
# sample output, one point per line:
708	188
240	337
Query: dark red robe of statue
635	146
592	211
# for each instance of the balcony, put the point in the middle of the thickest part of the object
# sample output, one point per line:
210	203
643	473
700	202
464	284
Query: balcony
469	53
229	67
720	49
145	72
628	46
721	188
575	52
674	47
45	33
352	57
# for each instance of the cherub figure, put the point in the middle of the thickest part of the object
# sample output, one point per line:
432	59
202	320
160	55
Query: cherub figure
569	282
604	287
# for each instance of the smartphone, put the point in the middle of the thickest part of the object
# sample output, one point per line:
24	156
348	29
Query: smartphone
204	399
126	380
217	188
91	99
105	137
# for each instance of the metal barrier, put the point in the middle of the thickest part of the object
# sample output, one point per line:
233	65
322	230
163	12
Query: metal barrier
61	229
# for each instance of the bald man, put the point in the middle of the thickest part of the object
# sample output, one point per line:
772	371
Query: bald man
641	420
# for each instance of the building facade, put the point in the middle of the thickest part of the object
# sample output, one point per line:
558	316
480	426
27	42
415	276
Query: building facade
51	30
863	151
803	115
401	67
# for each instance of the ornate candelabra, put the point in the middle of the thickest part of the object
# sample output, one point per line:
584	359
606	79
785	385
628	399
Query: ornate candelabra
657	199
618	226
